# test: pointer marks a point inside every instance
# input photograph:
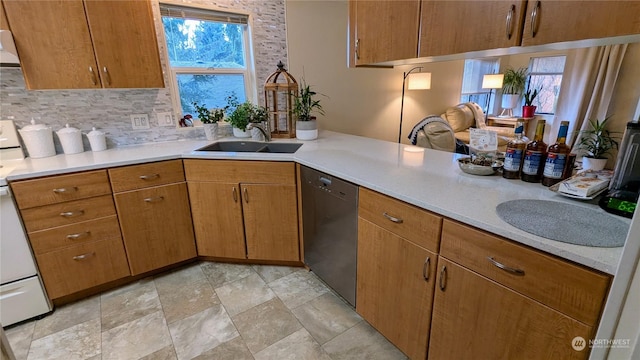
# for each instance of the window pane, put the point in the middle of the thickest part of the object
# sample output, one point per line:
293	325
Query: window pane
551	64
211	90
474	70
548	96
198	43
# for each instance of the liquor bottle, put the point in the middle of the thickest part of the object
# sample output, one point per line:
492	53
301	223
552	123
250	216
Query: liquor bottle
534	156
515	153
556	158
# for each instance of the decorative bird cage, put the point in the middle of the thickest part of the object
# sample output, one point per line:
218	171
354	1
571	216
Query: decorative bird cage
280	89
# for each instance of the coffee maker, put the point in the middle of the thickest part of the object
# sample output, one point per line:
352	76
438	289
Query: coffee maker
624	188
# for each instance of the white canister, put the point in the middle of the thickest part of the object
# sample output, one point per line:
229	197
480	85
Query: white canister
97	139
71	140
39	140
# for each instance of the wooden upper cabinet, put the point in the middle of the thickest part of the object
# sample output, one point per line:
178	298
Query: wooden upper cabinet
4	24
68	44
556	21
383	30
452	27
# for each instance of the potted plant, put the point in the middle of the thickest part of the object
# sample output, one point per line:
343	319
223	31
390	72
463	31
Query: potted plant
239	116
303	107
209	119
258	115
528	110
596	142
512	86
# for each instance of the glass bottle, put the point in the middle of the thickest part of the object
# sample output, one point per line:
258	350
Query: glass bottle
556	157
515	153
534	156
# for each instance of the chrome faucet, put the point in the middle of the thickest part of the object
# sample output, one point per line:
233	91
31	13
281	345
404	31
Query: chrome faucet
264	129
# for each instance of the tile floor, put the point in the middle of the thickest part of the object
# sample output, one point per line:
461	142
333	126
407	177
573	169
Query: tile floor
207	310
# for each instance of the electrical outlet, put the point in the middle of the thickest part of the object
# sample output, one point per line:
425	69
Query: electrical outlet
139	121
165	118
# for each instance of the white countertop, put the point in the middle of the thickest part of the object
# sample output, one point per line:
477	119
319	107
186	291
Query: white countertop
429	179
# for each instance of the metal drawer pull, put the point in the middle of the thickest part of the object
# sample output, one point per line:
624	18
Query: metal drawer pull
94	80
154	199
65	190
246	196
78	235
504	267
443	278
426	269
534	19
107	76
235	195
149	177
72	213
83	256
509	28
394	219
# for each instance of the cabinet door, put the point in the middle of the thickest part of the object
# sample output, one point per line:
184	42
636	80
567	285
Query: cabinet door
54	44
125	43
217	219
476	318
395	287
385	30
156	226
271	221
452	27
551	21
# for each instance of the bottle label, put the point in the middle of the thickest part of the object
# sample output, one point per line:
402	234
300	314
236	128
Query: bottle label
554	166
512	159
532	161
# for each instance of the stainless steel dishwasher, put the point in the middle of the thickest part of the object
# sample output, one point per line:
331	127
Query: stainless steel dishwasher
330	228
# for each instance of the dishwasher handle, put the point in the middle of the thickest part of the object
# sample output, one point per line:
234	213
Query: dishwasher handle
325	181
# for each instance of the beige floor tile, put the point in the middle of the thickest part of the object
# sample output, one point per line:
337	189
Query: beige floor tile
231	350
243	294
123	307
265	324
125	288
166	353
201	332
188	274
67	316
81	341
136	338
299	345
298	288
326	317
187	299
270	273
20	339
222	273
362	342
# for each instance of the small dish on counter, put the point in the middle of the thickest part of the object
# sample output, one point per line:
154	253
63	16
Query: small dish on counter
479	166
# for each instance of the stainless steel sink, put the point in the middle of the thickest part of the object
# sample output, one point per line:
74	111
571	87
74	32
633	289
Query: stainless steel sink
251	146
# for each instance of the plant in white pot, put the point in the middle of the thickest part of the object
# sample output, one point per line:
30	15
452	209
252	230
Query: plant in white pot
596	142
303	106
209	119
239	116
512	87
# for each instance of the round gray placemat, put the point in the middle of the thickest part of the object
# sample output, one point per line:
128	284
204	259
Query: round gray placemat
564	222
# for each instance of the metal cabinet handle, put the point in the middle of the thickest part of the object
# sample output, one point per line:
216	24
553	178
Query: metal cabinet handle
426	268
94	79
246	195
357	49
506	268
65	190
149	177
83	256
534	19
443	278
235	195
392	218
78	235
509	25
107	77
154	199
69	214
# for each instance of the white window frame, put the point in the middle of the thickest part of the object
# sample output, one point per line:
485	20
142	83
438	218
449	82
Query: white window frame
532	73
490	92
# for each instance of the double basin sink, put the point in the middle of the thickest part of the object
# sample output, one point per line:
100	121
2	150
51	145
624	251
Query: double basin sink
252	146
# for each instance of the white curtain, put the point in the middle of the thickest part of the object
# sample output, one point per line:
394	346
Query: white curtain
586	93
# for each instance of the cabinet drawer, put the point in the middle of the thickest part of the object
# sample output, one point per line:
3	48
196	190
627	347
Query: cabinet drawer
417	225
63	236
146	175
57	189
568	288
229	171
82	266
71	212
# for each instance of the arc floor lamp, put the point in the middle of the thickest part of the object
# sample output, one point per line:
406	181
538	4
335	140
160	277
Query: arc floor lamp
416	81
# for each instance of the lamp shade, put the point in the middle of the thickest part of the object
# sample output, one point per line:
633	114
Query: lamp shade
419	81
492	81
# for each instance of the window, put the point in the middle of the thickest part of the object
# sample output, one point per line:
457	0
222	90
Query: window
209	56
545	73
472	89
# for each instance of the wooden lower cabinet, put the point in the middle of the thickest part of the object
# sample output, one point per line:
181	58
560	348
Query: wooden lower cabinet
477	318
395	288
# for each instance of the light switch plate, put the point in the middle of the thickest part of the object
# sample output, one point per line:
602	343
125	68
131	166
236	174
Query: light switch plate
139	121
165	118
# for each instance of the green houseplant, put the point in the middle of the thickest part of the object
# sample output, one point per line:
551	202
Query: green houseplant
528	110
596	142
304	105
209	119
240	115
513	86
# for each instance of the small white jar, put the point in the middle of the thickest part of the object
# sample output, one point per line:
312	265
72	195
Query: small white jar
71	140
97	139
39	140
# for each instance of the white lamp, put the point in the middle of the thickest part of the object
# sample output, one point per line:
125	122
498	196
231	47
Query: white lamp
417	81
492	81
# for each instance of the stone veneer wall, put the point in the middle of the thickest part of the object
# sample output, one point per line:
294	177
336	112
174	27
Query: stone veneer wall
109	110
